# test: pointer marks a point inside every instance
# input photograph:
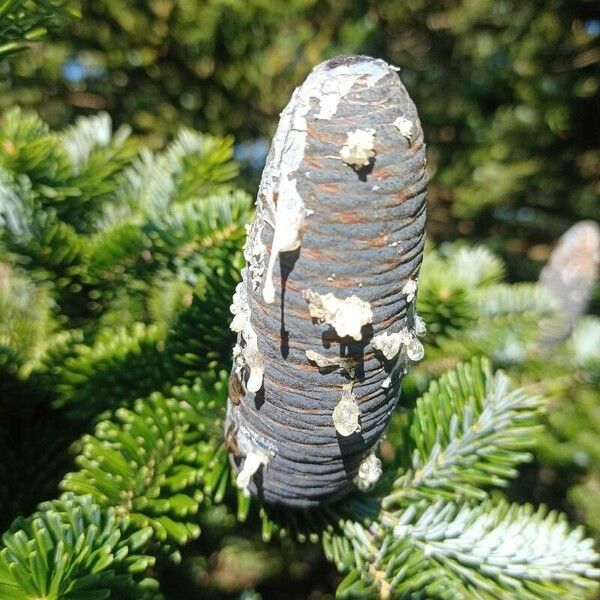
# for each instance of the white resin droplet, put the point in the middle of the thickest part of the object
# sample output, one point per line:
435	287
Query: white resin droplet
254	251
347	316
249	353
239	308
415	350
253	359
268	289
252	463
347	364
346	414
289	220
410	289
238	358
420	327
389	344
255	380
405	127
359	148
369	472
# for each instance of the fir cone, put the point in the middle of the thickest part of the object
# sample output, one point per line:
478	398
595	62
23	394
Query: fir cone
570	277
325	312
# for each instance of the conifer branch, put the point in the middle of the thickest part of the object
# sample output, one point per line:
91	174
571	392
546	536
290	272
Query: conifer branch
71	548
26	21
491	551
469	431
153	462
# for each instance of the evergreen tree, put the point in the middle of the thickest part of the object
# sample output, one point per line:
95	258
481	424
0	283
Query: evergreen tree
117	266
126	262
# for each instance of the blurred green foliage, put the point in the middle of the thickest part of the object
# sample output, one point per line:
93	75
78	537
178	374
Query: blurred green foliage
24	21
506	90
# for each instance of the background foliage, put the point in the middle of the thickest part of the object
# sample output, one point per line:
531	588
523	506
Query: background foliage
120	250
506	91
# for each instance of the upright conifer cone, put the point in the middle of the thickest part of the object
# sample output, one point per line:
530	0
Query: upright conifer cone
325	312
